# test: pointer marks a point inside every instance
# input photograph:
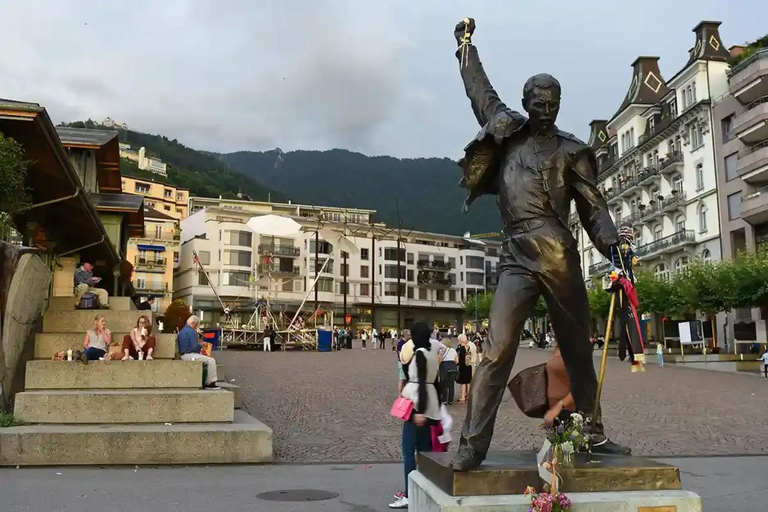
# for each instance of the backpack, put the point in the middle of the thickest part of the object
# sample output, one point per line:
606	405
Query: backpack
89	300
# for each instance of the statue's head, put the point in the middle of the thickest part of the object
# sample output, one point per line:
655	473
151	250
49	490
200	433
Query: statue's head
541	99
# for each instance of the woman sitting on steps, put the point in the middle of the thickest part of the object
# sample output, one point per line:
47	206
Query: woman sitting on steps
139	340
96	341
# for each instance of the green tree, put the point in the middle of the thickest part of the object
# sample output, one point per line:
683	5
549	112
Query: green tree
480	303
176	315
709	288
599	299
13	191
653	293
539	309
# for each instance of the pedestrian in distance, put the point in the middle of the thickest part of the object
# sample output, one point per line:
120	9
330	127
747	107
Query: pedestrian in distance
764	359
660	353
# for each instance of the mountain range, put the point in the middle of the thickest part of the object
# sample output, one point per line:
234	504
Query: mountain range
417	193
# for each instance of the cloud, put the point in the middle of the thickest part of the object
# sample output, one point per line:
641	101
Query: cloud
376	77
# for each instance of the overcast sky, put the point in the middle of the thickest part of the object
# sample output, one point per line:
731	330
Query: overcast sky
377	77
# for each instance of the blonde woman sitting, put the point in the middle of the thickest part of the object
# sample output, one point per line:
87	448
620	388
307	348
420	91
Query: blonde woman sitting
97	340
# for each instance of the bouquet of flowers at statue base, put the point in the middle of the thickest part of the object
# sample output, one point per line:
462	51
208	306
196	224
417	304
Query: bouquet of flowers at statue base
566	435
547	502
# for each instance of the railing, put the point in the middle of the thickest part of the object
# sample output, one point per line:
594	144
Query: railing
751	149
672	241
758	101
671	159
672	200
599	268
646	173
744	64
268	268
632	218
650	210
434	265
659	127
150	262
279	250
151	286
434	281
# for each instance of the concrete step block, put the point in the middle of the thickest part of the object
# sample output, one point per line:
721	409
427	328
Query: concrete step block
98	375
48	343
82	320
235	389
68	304
244	441
125	406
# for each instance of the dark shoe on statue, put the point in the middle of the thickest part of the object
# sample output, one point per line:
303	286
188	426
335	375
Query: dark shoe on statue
602	444
466	459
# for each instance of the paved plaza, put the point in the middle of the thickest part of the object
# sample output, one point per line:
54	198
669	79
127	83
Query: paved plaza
334	407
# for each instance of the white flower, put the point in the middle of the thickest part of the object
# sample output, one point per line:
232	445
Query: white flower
567	447
577	418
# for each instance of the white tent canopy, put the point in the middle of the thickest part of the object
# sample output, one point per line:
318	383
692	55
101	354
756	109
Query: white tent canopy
338	240
274	225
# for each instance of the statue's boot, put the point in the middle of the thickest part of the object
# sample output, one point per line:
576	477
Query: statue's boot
601	444
466	459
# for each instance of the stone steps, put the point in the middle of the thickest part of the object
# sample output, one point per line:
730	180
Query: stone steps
235	391
160	373
125	406
48	343
244	441
68	304
82	320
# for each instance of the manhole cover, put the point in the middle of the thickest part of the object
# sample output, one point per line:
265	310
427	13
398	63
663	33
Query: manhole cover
297	495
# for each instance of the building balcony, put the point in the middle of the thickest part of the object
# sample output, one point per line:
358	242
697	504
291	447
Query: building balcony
429	281
667	244
599	268
149	263
650	211
573	219
276	270
648	175
283	251
752	165
151	287
673	162
319	265
632	219
754	207
672	201
748	79
751	123
433	265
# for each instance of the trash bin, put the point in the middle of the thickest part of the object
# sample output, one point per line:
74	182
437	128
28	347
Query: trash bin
324	339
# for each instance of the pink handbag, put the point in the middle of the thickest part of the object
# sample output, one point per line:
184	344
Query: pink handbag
402	408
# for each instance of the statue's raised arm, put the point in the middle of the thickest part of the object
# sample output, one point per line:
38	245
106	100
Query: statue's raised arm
485	101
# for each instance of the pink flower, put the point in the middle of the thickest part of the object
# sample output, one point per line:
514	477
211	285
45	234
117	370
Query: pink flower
543	502
563	501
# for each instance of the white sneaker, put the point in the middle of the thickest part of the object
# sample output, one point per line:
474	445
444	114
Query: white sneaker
401	502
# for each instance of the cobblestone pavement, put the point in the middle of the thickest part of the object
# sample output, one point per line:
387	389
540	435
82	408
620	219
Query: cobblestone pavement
335	406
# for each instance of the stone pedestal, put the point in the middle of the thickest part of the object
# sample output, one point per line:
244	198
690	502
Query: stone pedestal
607	483
425	496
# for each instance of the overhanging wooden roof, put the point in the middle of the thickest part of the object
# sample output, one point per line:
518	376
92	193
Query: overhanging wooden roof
107	147
58	200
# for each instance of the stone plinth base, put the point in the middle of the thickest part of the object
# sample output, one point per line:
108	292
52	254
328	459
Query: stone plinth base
424	496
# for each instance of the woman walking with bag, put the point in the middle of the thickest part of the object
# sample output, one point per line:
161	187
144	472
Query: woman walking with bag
418	405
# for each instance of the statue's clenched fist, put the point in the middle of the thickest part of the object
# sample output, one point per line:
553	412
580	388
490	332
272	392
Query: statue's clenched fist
464	28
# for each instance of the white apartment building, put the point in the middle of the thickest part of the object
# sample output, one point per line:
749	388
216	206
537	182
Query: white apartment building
436	272
656	158
145	162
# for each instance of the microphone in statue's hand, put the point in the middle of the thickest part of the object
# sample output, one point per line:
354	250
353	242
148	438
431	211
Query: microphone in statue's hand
464	30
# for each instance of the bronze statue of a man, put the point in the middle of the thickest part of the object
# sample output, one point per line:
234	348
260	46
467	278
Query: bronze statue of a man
535	170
